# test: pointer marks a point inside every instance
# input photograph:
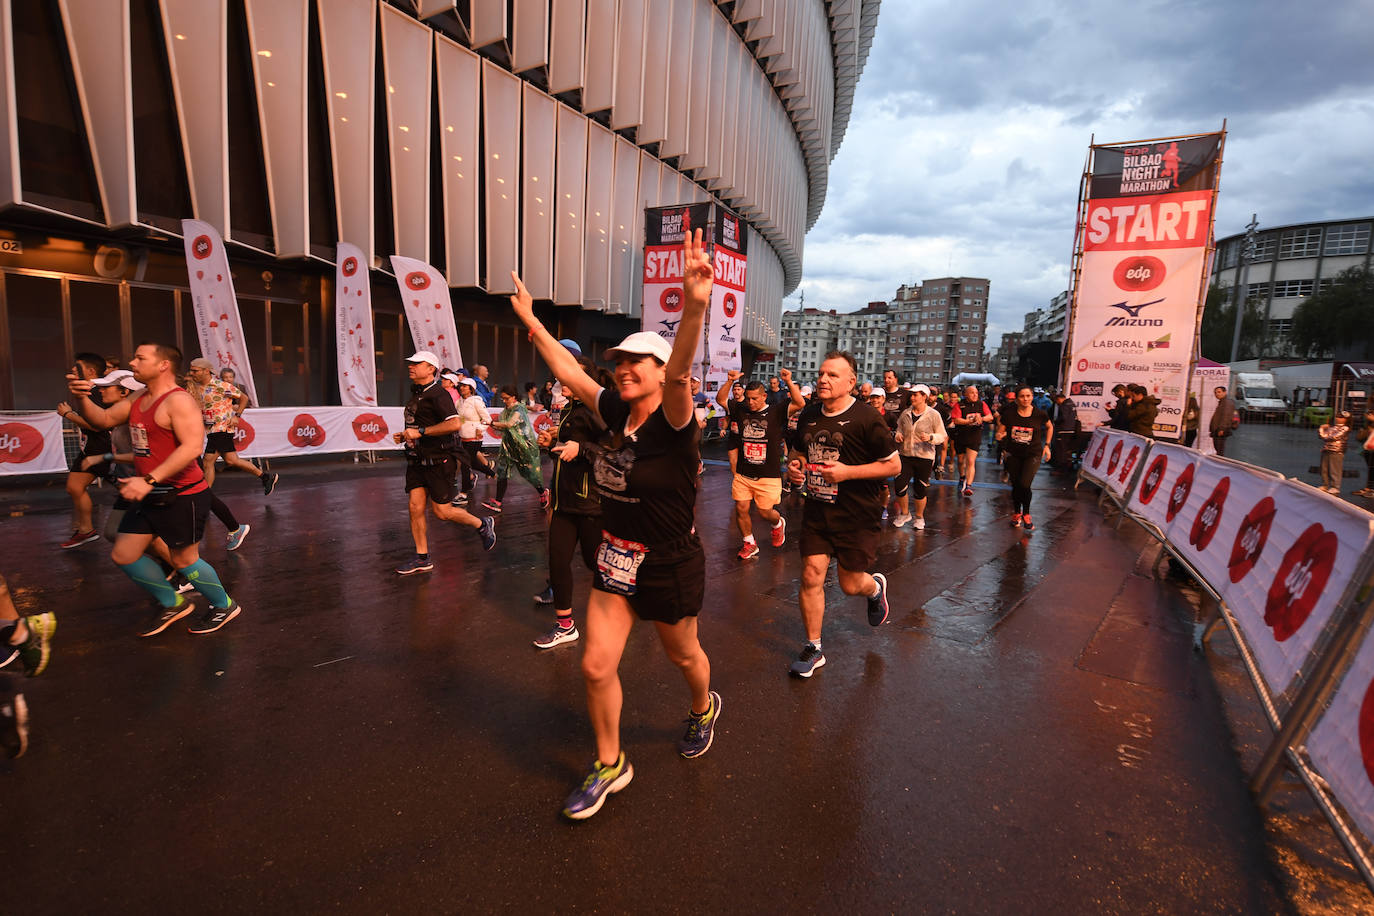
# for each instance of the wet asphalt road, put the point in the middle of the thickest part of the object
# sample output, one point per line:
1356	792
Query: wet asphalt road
1030	733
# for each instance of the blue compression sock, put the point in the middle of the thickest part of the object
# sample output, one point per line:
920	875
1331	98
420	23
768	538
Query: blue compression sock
203	576
146	572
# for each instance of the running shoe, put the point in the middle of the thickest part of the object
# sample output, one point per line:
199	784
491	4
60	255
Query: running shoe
701	730
179	582
269	483
935	472
919	523
901	521
1016	520
415	565
543	499
556	637
80	537
1026	522
491	505
235	539
877	605
164	617
968	491
487	533
544	597
884	515
960	487
212	618
14	725
780	532
748	551
601	781
809	660
37	649
461	500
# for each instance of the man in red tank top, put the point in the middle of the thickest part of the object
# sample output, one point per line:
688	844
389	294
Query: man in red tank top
171	497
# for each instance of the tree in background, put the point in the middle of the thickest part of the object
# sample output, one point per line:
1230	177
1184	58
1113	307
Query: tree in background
1339	319
1219	326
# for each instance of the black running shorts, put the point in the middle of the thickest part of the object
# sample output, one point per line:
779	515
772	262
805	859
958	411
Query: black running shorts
855	549
435	479
671	582
220	443
179	524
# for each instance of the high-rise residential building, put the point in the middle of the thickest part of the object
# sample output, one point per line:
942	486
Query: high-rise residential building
1002	361
953	323
904	317
863	335
406	128
807	334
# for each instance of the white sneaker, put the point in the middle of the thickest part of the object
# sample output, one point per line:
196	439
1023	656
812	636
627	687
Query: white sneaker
900	521
918	523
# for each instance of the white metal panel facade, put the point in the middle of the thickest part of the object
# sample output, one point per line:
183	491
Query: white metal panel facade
278	31
540	135
570	193
408	64
501	163
196	52
98	37
460	86
348	46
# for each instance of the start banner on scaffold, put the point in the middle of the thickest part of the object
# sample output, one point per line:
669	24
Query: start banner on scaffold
664	230
218	327
1144	230
730	262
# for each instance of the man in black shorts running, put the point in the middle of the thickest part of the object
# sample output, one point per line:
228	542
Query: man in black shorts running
842	452
758	466
431	420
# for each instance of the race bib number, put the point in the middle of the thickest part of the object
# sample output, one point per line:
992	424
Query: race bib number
617	561
756	452
139	436
1022	435
817	487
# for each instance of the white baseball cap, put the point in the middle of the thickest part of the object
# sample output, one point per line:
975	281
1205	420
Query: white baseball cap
424	356
806	391
641	343
113	378
453	377
925	390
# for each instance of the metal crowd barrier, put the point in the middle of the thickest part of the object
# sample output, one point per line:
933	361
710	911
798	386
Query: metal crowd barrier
1289	569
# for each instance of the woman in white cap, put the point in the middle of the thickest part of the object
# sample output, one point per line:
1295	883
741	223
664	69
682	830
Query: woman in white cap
650	564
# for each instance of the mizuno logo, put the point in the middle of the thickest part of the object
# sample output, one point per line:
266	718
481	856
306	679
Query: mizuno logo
670	325
1133	310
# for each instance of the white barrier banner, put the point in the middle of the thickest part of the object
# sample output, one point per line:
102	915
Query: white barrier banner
1112	457
1164	484
218	327
31	443
429	311
1341	744
540	419
1095	456
357	360
272	432
1287	568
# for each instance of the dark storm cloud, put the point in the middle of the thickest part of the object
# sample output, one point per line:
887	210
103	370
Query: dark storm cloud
972	122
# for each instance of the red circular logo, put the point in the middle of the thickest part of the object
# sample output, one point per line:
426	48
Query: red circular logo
730	305
541	420
1179	494
1154	475
1097	455
1139	273
1209	516
1251	538
305	432
201	247
1115	457
417	279
671	300
350	266
20	443
1300	581
368	427
1366	726
243	436
1130	463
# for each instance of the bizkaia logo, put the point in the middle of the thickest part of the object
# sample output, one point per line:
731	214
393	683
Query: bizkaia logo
243	436
369	427
350	266
1085	389
1154	476
1139	274
1132	317
417	280
202	247
1300	581
1129	464
1179	494
1209	516
1087	365
1131	367
1251	538
730	305
20	443
671	299
1097	456
305	431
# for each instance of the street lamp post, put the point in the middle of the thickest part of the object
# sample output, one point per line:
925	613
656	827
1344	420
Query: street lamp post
1247	255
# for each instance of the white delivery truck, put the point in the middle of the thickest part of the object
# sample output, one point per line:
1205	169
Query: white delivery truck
1257	397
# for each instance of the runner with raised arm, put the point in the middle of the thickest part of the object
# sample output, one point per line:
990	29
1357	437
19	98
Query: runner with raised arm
650	564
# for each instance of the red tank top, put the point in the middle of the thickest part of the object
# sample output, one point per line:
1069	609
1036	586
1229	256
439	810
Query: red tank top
153	445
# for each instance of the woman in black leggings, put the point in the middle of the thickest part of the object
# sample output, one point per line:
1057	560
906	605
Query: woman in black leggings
1024	432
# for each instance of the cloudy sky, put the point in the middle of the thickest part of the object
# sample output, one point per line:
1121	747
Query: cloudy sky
972	121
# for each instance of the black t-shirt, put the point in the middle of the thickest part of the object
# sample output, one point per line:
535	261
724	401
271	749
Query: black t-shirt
1025	435
965	409
760	440
647	481
857	435
894	402
573	490
429	406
